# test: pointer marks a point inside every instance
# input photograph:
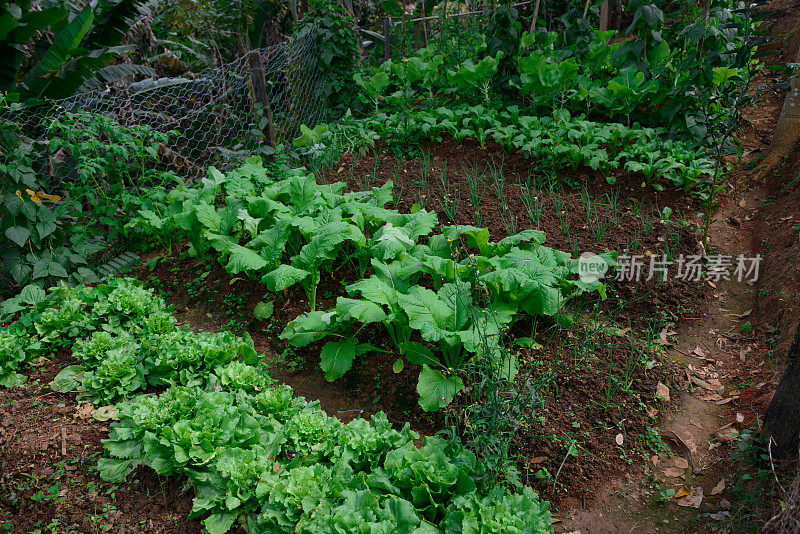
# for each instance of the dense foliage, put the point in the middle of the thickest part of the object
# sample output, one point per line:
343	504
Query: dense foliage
83	43
253	453
293	229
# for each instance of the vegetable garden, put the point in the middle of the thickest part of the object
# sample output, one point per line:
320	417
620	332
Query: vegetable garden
447	303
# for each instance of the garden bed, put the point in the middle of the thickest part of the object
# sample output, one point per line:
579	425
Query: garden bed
578	403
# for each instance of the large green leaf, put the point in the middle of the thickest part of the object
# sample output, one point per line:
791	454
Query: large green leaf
308	328
336	357
284	276
391	241
363	311
459	298
18	234
437	390
208	216
220	522
424	308
375	290
69	379
302	190
244	259
418	354
37	80
322	245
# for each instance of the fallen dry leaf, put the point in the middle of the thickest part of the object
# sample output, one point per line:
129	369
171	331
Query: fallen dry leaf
673	472
699	352
702	383
686	444
711	397
716	490
105	413
682	492
726	434
693	500
680	462
662	392
745	314
665	333
84	411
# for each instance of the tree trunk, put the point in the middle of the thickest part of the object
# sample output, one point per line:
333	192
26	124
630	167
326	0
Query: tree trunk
782	420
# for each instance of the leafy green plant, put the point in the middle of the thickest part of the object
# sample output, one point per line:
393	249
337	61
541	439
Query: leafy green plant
476	77
42	241
338	51
108	160
253	453
77	58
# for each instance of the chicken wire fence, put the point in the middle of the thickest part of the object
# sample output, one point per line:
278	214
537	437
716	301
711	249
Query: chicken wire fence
221	115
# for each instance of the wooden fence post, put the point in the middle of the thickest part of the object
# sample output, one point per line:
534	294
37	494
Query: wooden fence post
259	84
604	16
535	15
387	38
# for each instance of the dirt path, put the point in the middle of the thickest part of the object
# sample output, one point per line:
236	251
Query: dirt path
703	422
730	372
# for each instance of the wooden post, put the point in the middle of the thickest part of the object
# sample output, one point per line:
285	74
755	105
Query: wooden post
387	38
425	26
259	84
535	15
604	16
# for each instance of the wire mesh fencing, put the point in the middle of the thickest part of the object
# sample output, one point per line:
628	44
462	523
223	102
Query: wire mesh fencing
221	115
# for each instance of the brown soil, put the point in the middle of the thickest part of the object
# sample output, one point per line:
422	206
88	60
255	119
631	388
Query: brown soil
48	481
625	217
777	238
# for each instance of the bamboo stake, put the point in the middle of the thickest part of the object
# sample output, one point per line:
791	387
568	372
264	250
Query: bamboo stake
535	15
